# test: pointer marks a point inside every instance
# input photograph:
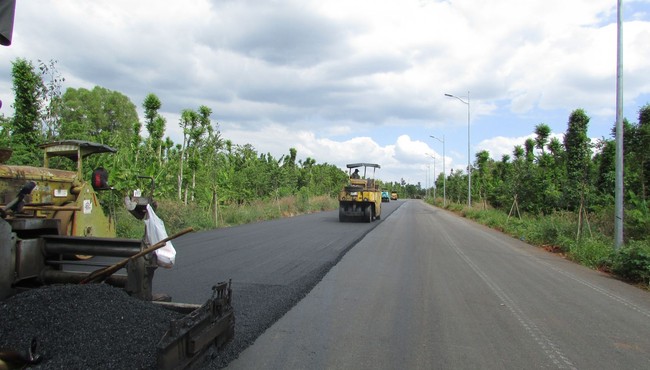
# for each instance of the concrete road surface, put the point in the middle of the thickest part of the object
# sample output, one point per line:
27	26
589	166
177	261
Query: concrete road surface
429	290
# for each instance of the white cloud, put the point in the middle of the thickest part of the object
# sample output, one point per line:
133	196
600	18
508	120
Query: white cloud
324	76
500	145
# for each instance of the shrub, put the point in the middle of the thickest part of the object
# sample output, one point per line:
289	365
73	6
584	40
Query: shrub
632	262
128	226
592	252
178	216
558	230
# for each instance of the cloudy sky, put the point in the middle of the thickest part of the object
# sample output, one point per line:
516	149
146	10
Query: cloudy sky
348	80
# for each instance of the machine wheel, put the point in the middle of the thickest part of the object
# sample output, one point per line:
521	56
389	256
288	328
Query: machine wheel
368	213
342	217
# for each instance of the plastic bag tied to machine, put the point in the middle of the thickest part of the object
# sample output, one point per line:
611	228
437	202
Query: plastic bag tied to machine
156	232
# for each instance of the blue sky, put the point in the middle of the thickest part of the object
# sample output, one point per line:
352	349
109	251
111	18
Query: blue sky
348	81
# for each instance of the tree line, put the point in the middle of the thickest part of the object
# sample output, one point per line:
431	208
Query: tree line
548	174
204	169
543	176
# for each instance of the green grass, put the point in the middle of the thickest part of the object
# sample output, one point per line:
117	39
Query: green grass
558	232
178	216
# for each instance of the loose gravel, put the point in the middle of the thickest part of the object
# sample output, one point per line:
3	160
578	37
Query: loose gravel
97	326
93	326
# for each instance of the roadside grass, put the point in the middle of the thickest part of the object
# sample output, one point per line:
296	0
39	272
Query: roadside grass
558	233
178	216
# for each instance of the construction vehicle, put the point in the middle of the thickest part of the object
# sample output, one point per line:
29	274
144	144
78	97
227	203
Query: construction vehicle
385	197
360	199
393	195
54	214
61	197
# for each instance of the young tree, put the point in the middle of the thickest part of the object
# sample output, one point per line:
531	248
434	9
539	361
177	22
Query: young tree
546	194
517	174
51	96
529	144
155	124
643	139
188	121
605	181
483	163
5	128
25	134
543	131
578	159
501	193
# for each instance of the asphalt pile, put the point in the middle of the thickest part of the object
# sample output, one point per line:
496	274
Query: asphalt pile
92	326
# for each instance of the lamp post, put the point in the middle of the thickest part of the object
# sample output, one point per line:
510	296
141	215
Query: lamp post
434	175
469	168
618	190
426	193
444	178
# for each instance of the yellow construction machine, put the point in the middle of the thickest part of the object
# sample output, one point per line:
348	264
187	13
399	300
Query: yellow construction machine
51	223
360	199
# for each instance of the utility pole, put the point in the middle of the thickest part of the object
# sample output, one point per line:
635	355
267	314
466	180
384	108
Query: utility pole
469	159
444	177
618	194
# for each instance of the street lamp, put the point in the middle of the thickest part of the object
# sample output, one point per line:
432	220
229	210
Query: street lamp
618	188
469	168
444	178
426	181
434	175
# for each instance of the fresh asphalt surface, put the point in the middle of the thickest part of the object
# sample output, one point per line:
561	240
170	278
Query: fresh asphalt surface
272	265
429	290
424	289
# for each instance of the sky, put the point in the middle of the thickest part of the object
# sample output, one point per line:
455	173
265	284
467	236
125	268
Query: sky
347	81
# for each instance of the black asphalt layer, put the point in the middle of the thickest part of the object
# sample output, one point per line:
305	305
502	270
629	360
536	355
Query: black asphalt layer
272	265
428	289
92	326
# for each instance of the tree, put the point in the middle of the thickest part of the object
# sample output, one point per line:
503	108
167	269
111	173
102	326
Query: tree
605	182
289	184
98	115
643	154
517	184
456	185
188	121
155	124
529	144
543	132
578	159
25	134
544	193
5	130
483	162
51	96
501	192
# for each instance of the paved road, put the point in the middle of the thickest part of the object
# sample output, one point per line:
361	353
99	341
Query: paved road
429	290
272	264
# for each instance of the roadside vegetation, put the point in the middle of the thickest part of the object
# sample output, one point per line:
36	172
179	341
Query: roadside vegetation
559	195
177	218
557	233
555	192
